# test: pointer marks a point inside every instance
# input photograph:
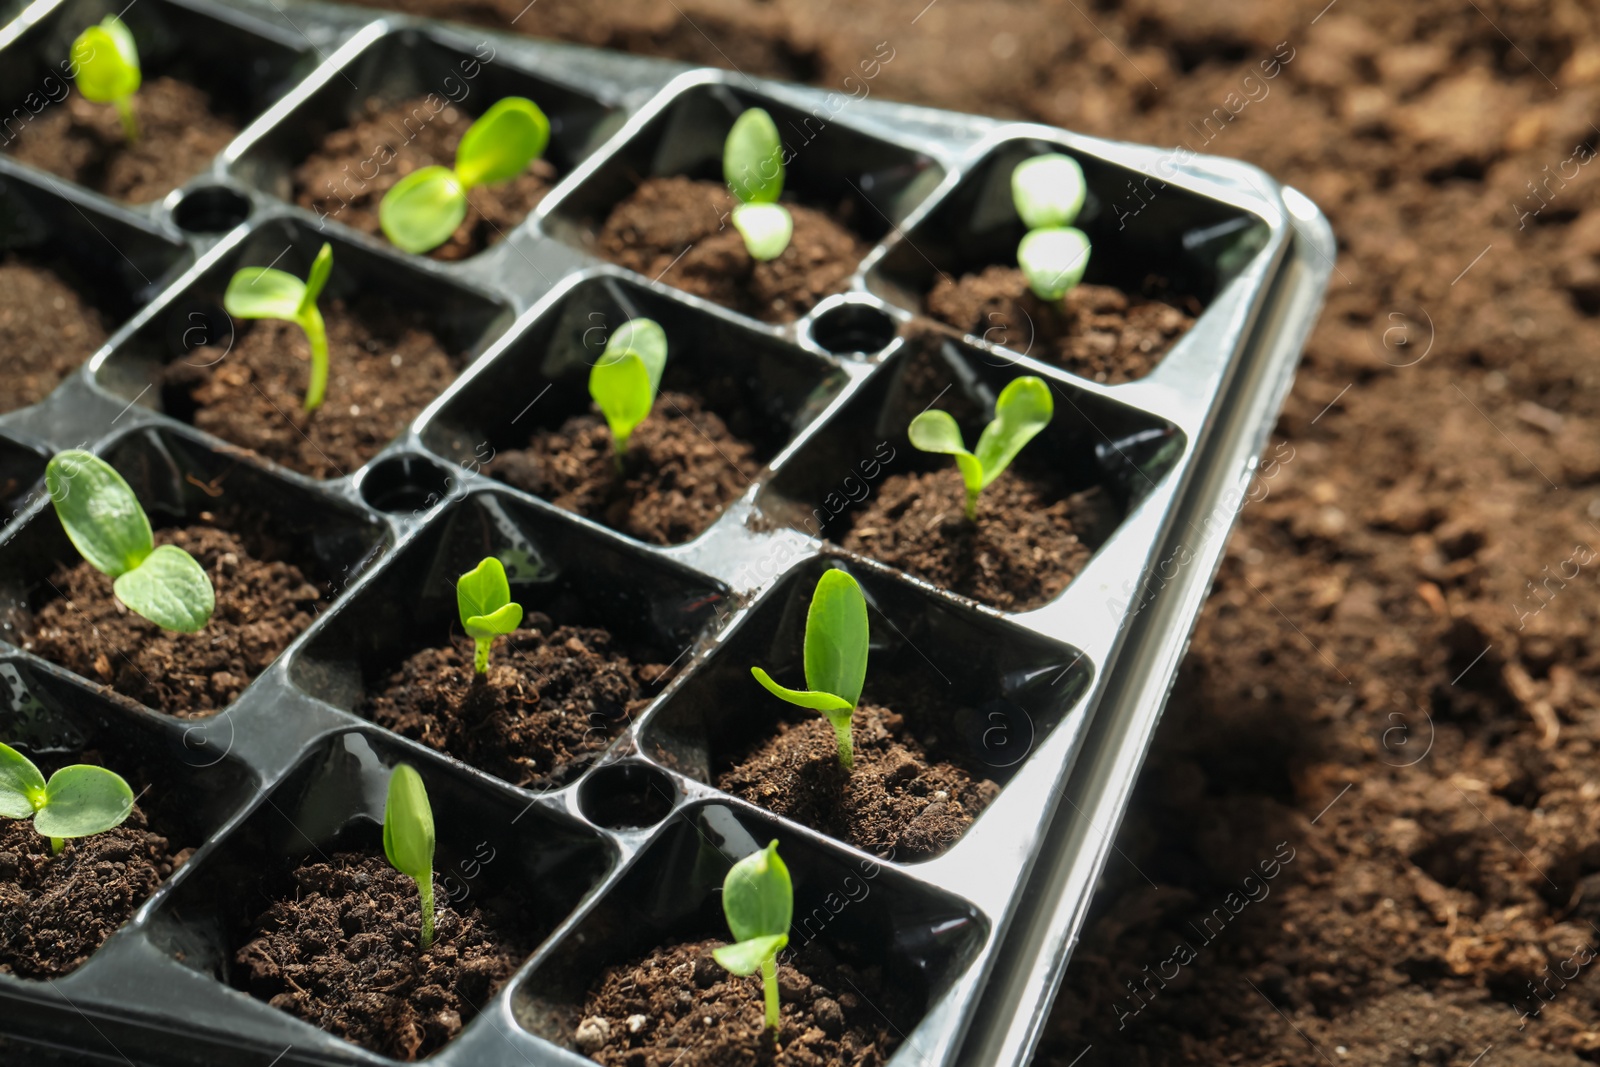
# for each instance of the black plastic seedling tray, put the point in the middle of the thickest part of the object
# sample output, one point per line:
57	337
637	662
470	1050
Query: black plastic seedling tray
1058	701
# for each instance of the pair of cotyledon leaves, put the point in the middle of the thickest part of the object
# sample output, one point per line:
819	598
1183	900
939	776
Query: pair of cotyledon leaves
269	293
1048	191
105	523
752	165
758	902
483	600
77	801
625	379
1023	408
424	208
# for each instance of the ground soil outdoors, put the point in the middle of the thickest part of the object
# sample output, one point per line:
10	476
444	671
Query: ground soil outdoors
1419	562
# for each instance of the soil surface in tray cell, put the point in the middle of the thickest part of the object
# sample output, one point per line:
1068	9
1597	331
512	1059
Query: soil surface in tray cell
1096	331
46	331
262	603
340	950
1028	541
388	142
384	367
83	142
900	802
56	910
678	230
553	699
682	467
677	1006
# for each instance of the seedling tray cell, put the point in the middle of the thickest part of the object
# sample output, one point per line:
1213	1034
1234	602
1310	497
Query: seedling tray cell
619	850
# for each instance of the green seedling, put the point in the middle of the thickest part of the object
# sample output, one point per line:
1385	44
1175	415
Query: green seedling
483	596
758	900
424	208
752	165
1023	409
77	801
835	657
1049	191
108	69
265	293
408	837
623	382
105	523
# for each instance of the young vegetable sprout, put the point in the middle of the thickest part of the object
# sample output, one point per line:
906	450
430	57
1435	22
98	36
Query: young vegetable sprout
264	293
424	208
1023	409
483	596
835	657
758	900
408	837
752	165
77	801
1048	192
108	69
625	379
105	523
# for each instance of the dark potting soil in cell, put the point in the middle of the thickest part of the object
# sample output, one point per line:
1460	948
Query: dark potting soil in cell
262	603
339	949
553	699
46	331
346	177
678	230
55	911
682	467
384	368
677	1007
1097	331
901	801
84	143
1028	541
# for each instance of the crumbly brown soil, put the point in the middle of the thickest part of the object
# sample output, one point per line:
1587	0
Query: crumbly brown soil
384	367
341	952
261	605
46	331
391	141
1096	331
56	910
900	801
682	467
179	135
1403	522
1027	542
832	1014
553	699
679	230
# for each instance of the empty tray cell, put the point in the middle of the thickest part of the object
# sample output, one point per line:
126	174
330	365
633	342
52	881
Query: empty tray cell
731	398
1158	255
207	72
396	339
937	733
72	274
403	103
57	910
276	553
298	906
858	481
605	625
870	950
658	204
